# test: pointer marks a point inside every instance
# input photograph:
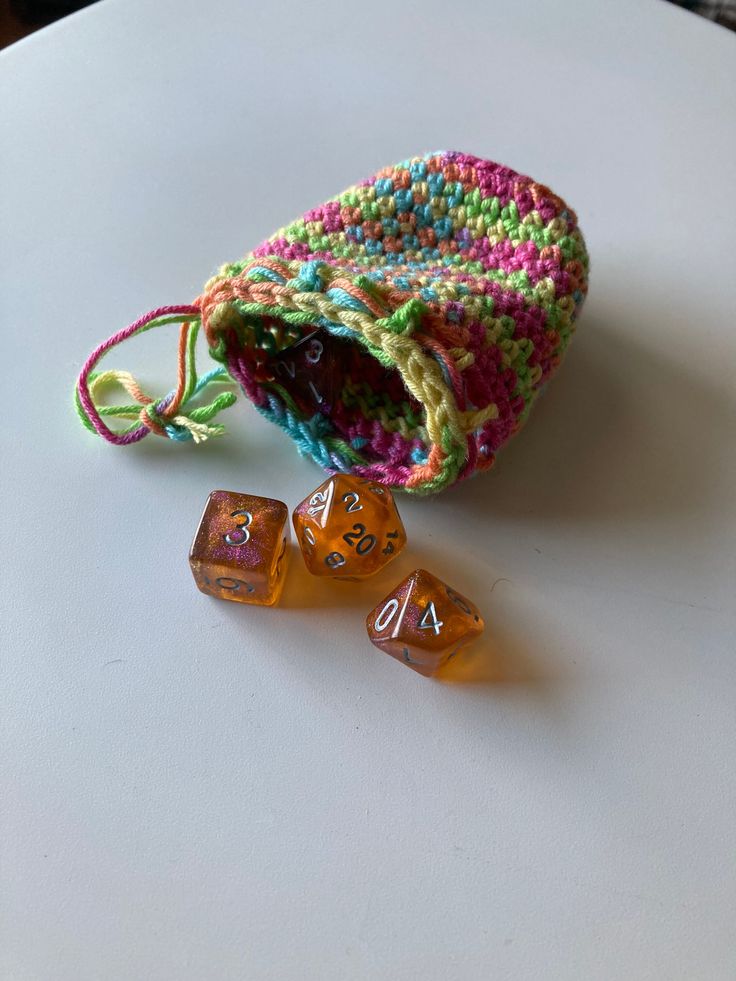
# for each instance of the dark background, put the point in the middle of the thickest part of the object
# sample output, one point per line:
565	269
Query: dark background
21	17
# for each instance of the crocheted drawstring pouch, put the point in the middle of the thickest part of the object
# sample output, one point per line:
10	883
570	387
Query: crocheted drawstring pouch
400	332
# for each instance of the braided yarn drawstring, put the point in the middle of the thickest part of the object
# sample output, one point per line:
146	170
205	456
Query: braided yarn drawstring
166	416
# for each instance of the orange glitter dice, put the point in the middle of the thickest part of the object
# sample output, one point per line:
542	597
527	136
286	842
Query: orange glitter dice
423	622
348	528
240	550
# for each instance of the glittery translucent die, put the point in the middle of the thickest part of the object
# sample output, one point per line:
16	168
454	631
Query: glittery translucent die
240	548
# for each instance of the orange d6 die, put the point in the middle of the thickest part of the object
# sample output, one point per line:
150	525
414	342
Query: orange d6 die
239	551
424	622
348	528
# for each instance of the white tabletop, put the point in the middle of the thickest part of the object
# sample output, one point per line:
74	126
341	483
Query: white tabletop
198	790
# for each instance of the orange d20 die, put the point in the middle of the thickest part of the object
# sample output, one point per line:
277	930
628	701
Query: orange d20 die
240	549
348	528
424	622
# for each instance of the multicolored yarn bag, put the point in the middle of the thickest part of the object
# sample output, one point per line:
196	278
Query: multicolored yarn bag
401	331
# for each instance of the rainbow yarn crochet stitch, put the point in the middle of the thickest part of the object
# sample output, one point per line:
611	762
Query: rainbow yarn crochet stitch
439	296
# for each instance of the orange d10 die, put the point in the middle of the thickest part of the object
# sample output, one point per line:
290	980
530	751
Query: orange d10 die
423	622
348	528
239	551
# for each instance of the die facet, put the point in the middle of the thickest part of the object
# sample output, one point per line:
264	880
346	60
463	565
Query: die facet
348	528
424	622
240	549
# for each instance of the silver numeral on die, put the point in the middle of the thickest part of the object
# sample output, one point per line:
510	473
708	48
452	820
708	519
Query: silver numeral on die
241	534
386	615
351	500
430	620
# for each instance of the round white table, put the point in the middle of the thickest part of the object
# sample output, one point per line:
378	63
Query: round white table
199	790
